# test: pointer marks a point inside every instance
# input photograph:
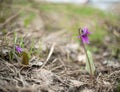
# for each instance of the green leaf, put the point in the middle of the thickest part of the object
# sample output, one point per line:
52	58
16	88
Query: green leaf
25	58
21	43
92	70
15	38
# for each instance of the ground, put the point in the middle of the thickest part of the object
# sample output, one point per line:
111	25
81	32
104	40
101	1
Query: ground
48	33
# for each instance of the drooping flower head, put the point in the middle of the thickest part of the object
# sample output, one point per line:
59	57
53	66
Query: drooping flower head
84	35
18	49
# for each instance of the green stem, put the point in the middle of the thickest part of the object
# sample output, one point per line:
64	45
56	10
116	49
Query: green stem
85	51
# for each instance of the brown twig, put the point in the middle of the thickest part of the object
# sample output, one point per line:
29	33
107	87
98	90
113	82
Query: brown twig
49	55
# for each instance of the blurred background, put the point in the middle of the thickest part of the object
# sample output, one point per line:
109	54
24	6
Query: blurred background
38	18
101	4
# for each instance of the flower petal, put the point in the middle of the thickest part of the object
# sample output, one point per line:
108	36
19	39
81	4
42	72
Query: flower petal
85	31
18	49
85	39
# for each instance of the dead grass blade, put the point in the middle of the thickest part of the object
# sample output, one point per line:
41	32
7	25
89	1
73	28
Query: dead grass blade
49	55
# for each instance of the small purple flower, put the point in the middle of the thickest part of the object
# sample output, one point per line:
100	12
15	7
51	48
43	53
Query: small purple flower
84	35
18	49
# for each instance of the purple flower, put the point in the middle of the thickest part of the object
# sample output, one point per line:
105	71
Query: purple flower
18	49
84	35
